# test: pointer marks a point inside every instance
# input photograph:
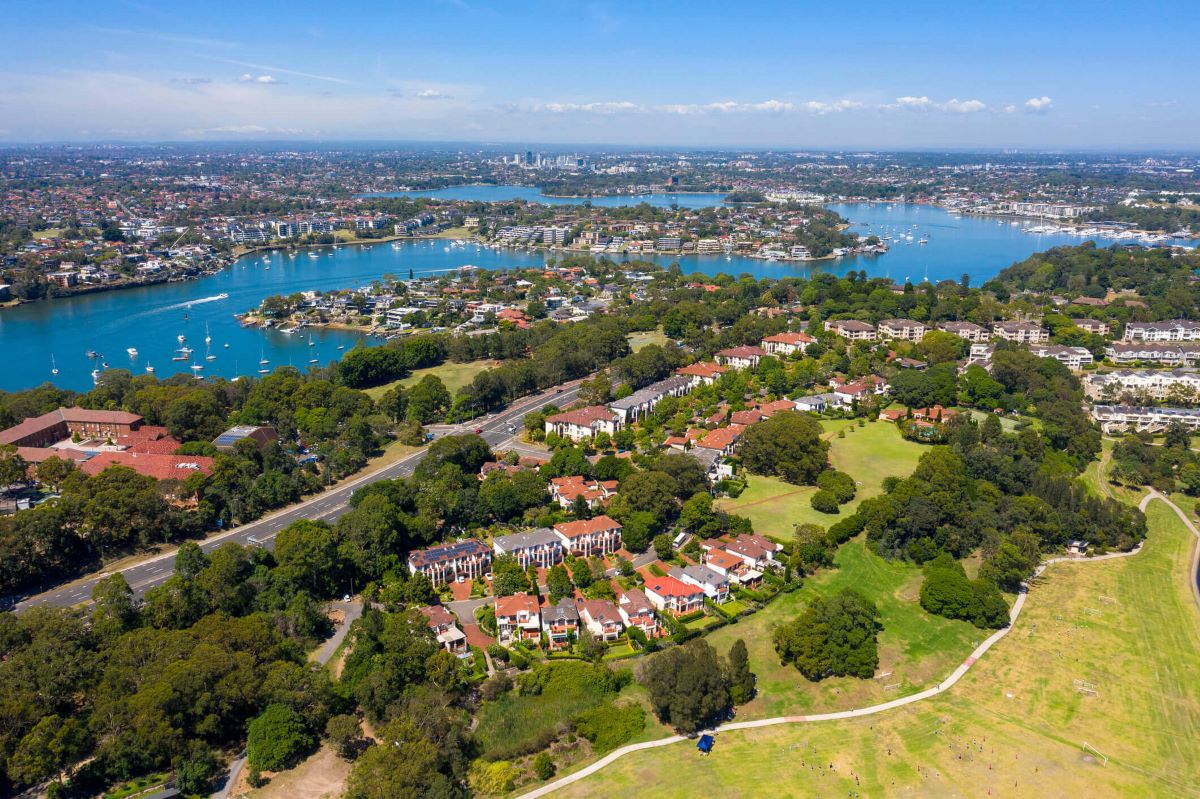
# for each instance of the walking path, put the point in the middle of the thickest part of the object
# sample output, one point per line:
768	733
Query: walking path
1194	569
944	685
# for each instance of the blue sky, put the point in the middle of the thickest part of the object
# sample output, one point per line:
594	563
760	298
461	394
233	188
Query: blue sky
1057	75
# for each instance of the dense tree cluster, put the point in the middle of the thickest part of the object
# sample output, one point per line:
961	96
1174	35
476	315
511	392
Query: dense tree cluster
947	592
787	445
834	637
692	687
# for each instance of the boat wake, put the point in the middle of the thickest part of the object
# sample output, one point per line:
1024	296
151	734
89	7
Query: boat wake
190	303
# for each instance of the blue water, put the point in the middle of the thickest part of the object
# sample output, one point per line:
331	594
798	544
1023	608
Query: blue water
486	192
150	318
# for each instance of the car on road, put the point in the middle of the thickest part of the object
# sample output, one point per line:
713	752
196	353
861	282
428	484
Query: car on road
478	431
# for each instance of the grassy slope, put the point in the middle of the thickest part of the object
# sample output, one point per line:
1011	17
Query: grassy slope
868	454
1014	726
454	375
915	647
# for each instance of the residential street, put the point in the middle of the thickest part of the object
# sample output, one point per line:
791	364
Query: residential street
327	506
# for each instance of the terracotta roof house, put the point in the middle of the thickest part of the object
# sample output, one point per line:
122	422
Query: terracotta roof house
58	425
702	373
445	629
160	467
590	537
637	611
583	423
674	596
741	357
786	343
565	490
601	618
723	439
517	618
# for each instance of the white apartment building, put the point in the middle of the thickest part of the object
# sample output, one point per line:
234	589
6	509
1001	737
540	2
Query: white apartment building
1021	332
1171	330
901	330
966	330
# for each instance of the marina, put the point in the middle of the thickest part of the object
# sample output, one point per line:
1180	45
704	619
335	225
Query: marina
158	321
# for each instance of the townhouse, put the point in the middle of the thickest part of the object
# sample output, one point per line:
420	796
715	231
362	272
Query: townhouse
817	403
1021	332
641	402
1072	357
518	618
670	595
901	330
966	330
583	423
1094	326
730	566
723	440
458	560
1149	382
741	357
560	624
444	627
705	373
846	393
712	462
786	344
1170	330
1168	354
756	552
601	618
637	611
714	584
540	548
595	493
852	329
1113	418
595	537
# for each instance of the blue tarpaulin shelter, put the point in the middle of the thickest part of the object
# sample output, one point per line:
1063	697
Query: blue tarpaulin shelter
705	744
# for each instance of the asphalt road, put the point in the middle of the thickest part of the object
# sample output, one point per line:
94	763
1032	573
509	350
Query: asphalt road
327	506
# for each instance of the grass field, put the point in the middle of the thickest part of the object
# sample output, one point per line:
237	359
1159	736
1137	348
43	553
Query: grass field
915	648
639	340
454	375
1015	725
868	454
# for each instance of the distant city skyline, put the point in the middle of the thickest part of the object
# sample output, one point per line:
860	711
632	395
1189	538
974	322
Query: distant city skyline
1069	76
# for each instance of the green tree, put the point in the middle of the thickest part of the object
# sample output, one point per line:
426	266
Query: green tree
47	750
688	686
345	735
741	679
787	445
428	400
277	738
558	583
824	501
663	546
834	637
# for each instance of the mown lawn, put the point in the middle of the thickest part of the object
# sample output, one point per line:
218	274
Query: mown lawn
868	454
454	375
1015	725
915	647
639	340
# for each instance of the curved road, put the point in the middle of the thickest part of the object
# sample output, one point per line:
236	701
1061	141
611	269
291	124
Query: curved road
327	506
944	685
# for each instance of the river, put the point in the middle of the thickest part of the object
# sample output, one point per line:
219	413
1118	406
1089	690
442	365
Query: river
60	332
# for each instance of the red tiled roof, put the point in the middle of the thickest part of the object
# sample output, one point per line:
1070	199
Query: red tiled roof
790	338
742	352
722	437
512	605
584	417
78	415
668	586
704	369
587	526
160	467
438	615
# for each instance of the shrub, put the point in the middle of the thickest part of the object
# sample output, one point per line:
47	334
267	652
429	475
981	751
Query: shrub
840	483
609	725
824	501
543	766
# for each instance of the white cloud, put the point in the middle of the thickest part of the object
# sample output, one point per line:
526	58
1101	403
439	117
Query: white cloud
1010	108
248	78
432	94
821	107
1038	105
964	106
617	107
726	107
281	70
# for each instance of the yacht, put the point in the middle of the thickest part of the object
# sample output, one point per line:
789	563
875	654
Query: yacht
264	371
196	367
226	346
53	366
93	354
132	352
149	369
181	338
262	361
207	337
313	255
